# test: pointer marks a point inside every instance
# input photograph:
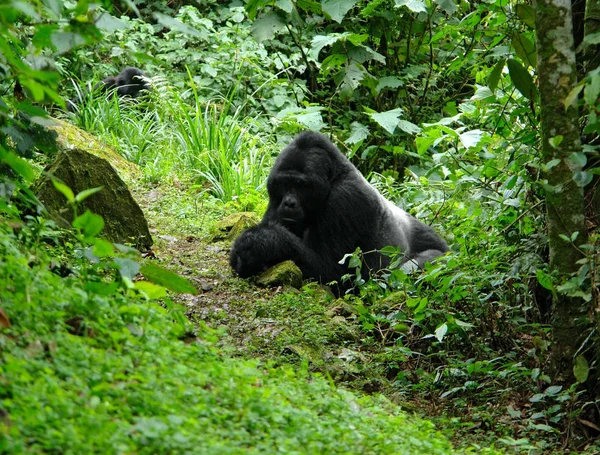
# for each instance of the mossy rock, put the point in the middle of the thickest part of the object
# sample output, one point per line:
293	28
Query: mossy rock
71	137
284	274
232	226
124	221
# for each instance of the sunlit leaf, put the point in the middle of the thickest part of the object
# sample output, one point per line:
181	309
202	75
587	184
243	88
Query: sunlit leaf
448	6
168	279
267	26
89	223
581	369
470	138
337	9
83	195
522	79
416	6
150	290
64	190
544	279
358	133
388	120
441	331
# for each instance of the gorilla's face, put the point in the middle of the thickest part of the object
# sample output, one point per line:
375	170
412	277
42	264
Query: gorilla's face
296	198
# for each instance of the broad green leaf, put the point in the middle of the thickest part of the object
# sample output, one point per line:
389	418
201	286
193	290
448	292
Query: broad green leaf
320	41
358	133
441	331
89	223
266	27
448	6
592	39
526	14
524	48
312	120
573	94
408	127
337	9
494	76
544	279
17	164
470	138
65	41
553	389
522	79
175	24
128	268
577	160
64	190
592	89
109	23
353	74
537	397
388	120
389	82
582	178
482	93
168	279
552	163
416	6
581	369
102	248
285	5
150	290
83	195
423	143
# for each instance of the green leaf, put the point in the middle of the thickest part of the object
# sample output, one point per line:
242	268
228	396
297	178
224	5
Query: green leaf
522	79
527	14
555	141
89	223
416	6
576	160
102	248
17	164
388	120
285	5
581	369
337	9
128	268
388	82
358	133
470	138
553	389
64	190
494	76
175	24
266	27
482	93
448	6
311	118
83	195
592	39
524	48
582	178
320	41
150	290
408	127
168	279
441	331
544	279
109	23
573	94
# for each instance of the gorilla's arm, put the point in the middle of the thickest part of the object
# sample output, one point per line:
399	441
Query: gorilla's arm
267	244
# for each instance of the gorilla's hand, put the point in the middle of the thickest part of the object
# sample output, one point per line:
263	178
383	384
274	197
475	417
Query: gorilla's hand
261	247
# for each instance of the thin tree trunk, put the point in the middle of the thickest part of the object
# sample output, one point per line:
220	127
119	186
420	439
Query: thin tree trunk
564	199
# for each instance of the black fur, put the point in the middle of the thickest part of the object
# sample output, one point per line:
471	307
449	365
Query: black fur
129	82
321	208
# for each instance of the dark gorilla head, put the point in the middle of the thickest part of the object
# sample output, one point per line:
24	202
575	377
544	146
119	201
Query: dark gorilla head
130	82
299	184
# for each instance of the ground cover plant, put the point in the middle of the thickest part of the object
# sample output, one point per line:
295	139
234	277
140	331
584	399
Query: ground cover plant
437	103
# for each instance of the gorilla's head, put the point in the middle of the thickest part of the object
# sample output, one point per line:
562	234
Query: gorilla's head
300	182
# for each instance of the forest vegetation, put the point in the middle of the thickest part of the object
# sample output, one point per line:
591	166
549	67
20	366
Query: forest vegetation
478	118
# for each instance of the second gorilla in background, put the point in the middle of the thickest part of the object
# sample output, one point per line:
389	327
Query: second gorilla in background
321	208
129	82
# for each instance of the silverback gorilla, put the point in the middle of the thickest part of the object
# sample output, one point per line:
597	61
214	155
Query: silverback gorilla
321	208
129	82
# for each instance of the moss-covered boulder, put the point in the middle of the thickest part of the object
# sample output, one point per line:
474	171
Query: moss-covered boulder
232	226
124	221
285	273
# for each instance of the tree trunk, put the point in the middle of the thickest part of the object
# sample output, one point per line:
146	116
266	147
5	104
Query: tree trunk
564	199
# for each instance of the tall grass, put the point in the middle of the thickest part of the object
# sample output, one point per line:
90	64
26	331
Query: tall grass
216	146
206	141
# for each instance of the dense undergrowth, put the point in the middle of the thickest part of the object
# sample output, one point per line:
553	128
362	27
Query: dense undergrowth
433	106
